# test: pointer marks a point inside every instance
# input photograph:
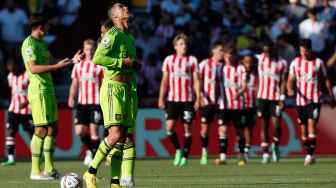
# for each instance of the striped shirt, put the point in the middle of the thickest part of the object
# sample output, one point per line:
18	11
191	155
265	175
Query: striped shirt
209	75
180	70
231	80
18	85
89	77
250	94
270	77
308	76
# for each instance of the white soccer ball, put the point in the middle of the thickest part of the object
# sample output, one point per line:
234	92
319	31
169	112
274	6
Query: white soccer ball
71	180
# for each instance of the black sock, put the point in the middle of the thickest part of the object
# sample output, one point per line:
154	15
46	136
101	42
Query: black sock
205	141
92	170
241	145
115	181
223	142
10	145
87	141
311	145
187	145
94	146
174	140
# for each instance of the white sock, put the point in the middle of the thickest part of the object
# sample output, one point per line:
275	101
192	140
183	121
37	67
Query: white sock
11	158
204	150
222	156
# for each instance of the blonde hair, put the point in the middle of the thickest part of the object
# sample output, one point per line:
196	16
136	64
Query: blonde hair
180	36
89	42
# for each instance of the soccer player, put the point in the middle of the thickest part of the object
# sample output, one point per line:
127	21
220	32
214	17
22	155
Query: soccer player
86	81
309	73
208	77
117	54
19	111
231	104
250	96
41	96
181	80
270	98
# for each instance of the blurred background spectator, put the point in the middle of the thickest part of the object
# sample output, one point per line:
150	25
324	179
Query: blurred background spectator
246	23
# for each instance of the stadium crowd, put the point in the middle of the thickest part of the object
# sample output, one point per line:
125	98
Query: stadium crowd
245	23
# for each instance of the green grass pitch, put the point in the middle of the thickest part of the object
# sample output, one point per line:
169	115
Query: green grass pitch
289	172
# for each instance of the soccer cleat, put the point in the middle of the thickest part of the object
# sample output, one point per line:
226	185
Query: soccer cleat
204	159
265	158
115	186
41	176
241	161
88	158
275	153
220	162
90	180
178	157
55	174
183	162
8	163
309	160
126	181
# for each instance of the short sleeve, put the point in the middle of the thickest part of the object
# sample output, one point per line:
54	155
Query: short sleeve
28	53
165	65
292	67
195	67
74	73
9	79
323	69
284	65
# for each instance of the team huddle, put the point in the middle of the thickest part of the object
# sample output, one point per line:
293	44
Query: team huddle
225	87
238	90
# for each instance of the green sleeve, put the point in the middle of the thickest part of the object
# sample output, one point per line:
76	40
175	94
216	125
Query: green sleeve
28	53
103	53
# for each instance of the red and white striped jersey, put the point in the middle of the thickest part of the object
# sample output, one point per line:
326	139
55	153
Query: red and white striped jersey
209	75
270	77
251	90
308	76
18	85
180	70
231	80
89	78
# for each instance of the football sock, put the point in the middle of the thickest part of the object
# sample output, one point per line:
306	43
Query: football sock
128	161
36	146
223	143
103	150
247	148
276	140
311	144
204	141
305	143
264	147
187	144
116	155
174	140
48	151
86	140
10	146
241	145
94	144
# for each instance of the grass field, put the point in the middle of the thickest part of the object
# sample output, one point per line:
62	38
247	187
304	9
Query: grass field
290	172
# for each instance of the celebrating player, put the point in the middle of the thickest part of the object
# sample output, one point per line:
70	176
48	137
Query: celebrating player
271	95
208	76
309	72
41	96
117	54
181	80
250	96
19	111
86	80
231	104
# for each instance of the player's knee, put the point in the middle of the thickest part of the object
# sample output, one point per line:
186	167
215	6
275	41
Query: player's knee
80	132
41	131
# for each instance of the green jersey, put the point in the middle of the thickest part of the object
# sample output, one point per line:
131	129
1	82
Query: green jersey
115	46
37	50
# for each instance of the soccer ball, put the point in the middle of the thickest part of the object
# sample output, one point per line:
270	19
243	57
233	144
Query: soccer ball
71	180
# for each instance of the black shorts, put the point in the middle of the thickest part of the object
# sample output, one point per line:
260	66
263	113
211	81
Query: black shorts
90	113
208	113
250	117
310	111
225	117
14	120
184	109
267	108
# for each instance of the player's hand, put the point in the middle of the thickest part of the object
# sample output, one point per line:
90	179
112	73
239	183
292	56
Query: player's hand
282	105
23	105
63	63
197	104
237	95
127	62
290	93
78	57
161	104
332	102
71	102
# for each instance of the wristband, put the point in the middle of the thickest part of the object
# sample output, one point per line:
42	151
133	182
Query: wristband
282	97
